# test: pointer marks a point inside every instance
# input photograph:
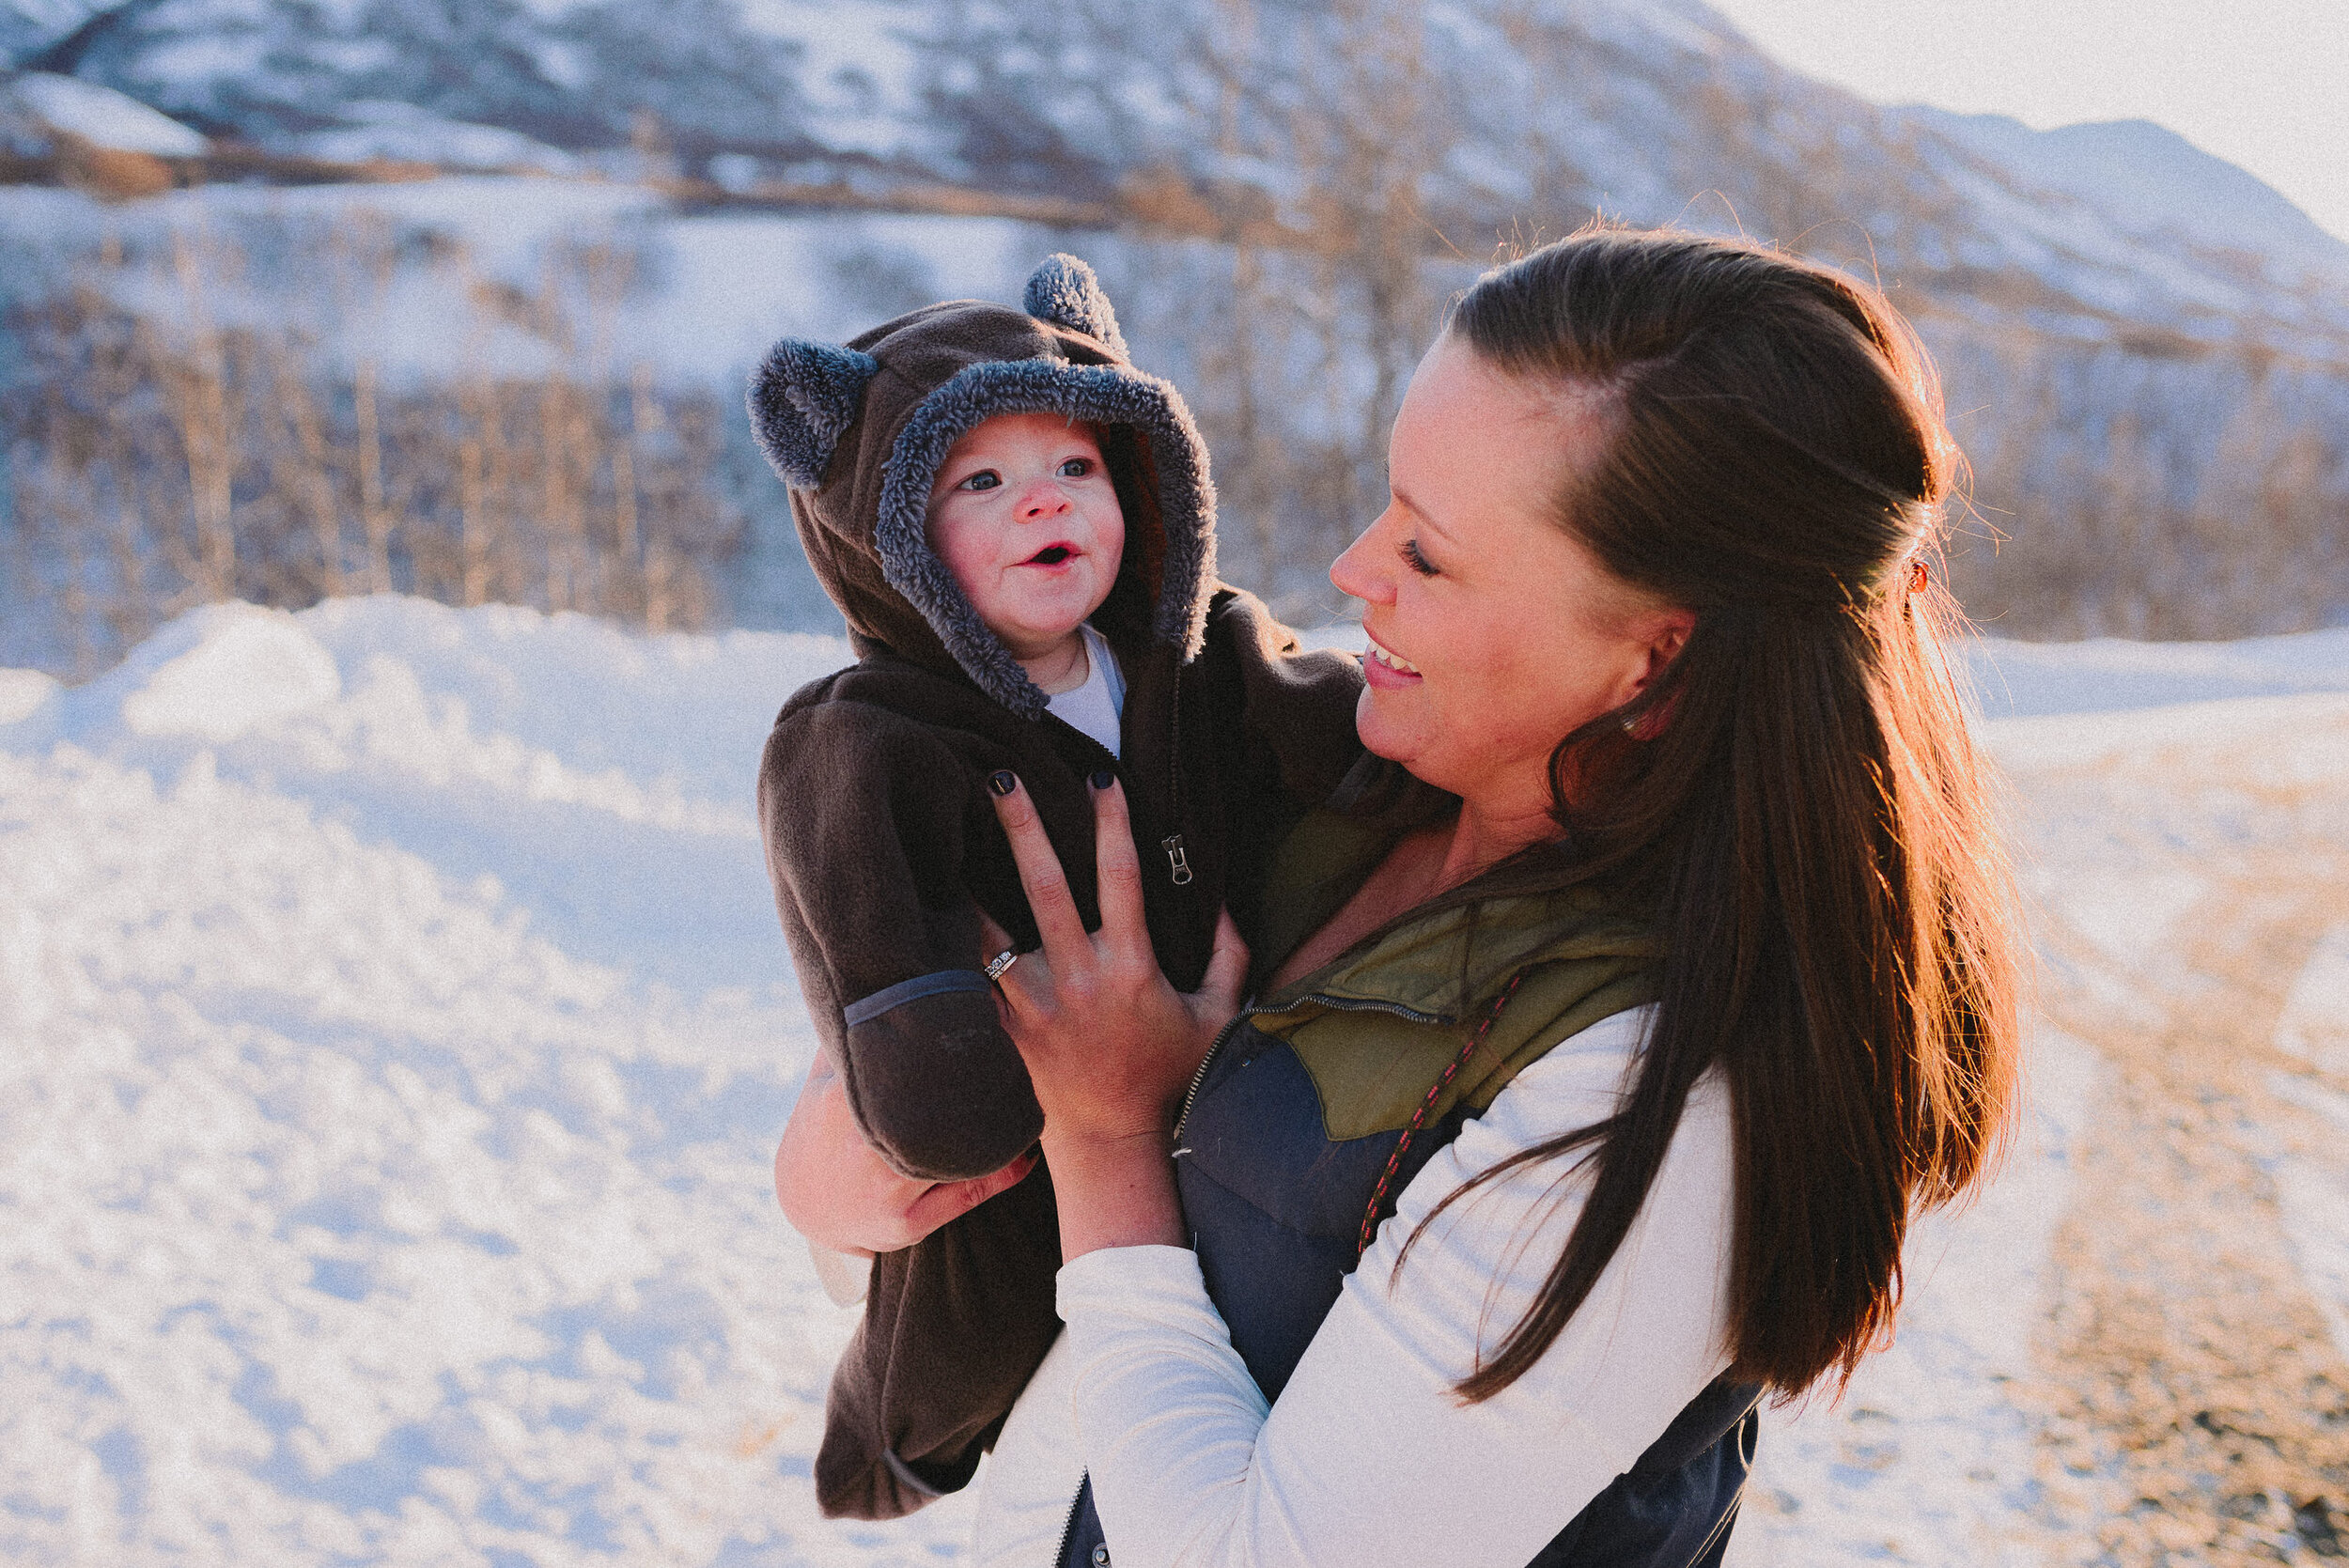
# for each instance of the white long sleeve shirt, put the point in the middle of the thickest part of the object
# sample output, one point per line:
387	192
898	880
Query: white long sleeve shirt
1368	1457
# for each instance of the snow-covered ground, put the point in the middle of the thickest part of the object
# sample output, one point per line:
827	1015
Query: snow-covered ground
393	1030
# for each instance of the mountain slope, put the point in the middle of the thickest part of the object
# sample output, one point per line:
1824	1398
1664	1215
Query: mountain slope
2146	351
2151	180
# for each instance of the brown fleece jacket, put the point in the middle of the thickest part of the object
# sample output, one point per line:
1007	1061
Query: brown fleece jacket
882	842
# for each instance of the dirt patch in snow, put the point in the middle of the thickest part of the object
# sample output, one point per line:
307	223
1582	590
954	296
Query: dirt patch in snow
2187	1363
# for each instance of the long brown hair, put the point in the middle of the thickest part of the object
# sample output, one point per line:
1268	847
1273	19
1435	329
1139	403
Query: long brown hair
1795	800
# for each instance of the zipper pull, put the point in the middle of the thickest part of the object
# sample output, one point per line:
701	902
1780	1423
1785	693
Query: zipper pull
1177	866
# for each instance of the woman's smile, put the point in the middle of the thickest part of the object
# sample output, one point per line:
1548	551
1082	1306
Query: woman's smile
1382	667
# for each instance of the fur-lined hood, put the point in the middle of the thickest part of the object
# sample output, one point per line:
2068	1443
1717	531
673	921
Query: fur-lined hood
858	433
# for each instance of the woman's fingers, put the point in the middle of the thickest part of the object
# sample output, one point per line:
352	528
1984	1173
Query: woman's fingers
952	1200
1221	988
1040	875
993	939
1118	874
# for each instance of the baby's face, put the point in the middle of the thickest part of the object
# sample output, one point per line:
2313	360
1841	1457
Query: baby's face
1025	516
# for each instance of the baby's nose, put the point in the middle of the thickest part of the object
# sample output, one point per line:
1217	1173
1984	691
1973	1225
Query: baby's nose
1044	499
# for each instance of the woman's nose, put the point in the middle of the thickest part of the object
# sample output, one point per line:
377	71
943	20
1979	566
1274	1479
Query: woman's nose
1353	575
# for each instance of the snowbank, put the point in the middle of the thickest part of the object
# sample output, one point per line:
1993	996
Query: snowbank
2028	680
397	1028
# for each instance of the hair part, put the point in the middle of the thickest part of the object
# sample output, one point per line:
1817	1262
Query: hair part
1794	802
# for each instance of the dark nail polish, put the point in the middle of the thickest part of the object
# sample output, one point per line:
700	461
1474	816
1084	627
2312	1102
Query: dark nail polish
1103	778
1003	781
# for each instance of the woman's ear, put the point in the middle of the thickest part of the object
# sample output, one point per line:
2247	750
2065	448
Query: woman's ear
1657	637
803	401
1668	636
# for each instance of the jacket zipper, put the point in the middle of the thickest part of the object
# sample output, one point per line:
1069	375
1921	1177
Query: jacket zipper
1068	1530
1177	865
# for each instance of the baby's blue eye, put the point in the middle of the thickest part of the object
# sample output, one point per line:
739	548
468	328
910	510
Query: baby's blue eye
1076	468
986	479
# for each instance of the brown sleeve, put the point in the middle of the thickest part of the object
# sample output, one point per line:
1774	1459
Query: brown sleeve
866	817
1297	704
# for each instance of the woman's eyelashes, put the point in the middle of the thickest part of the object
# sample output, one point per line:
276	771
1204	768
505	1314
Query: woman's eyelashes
1416	559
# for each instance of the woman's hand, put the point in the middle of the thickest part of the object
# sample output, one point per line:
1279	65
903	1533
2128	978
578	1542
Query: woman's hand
1109	1045
839	1193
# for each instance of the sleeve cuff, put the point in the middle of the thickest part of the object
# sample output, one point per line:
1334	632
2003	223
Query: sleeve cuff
866	1009
1135	1280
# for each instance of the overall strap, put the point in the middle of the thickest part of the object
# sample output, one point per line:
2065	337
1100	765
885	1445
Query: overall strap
1419	1116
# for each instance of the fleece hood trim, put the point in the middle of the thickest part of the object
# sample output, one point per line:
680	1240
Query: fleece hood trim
1100	394
860	433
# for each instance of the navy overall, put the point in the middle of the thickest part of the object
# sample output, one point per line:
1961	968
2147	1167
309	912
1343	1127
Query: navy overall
1298	1109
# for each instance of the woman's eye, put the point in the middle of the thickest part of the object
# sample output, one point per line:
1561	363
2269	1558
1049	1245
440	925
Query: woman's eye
1418	562
986	479
1076	468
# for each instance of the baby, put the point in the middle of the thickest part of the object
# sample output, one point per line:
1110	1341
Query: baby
1018	527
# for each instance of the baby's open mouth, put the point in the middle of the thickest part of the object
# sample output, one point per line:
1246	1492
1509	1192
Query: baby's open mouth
1050	556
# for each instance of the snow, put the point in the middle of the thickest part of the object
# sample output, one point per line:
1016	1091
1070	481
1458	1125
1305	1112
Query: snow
102	115
403	133
2020	679
2153	182
2315	1022
398	1030
251	670
2313	1215
709	293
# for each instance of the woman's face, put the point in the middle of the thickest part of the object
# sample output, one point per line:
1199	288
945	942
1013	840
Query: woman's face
1492	632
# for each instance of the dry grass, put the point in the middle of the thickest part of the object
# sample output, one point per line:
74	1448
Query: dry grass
169	457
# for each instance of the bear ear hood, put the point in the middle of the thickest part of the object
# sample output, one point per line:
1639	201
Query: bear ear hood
1063	289
803	398
860	433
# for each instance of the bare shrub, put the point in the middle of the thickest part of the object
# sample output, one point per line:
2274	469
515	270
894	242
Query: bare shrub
2126	494
160	461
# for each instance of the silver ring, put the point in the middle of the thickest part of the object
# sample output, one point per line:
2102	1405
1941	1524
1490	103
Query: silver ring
1001	961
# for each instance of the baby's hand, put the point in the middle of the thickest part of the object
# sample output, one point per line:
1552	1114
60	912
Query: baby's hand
839	1193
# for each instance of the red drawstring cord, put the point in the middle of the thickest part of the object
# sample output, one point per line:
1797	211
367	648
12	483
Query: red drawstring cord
1419	1117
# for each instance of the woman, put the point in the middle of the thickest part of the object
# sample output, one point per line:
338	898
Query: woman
1621	1039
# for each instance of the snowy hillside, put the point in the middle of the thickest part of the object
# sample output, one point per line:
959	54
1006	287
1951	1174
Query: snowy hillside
2146	351
396	1031
2151	180
1504	116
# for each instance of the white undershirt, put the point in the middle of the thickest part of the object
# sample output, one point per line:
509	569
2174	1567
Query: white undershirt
1096	707
1367	1458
